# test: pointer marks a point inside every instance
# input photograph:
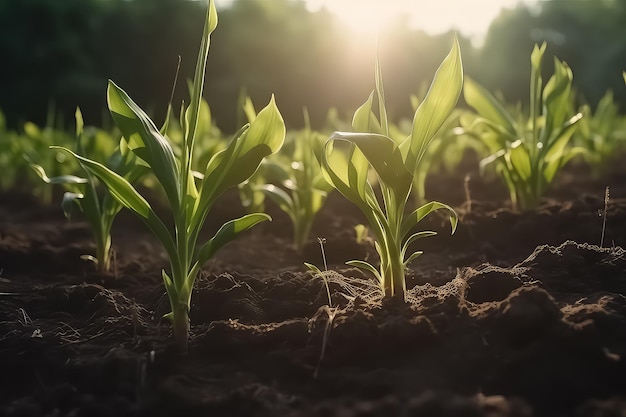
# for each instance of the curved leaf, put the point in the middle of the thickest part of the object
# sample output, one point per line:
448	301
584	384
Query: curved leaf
69	202
128	196
228	232
412	257
62	179
145	140
487	106
348	175
519	159
558	154
383	154
241	158
367	267
414	237
364	119
281	198
419	213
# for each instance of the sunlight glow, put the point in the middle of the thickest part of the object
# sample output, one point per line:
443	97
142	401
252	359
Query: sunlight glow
470	17
359	16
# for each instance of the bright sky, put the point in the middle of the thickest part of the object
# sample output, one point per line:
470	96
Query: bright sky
470	17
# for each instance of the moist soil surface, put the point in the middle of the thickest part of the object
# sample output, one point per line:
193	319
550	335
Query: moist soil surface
516	314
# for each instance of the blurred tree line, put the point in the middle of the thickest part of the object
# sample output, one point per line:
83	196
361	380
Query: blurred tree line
61	53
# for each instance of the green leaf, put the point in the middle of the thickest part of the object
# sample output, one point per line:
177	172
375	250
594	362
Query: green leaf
348	175
249	110
421	212
61	179
80	124
228	232
412	257
558	154
536	55
317	199
145	140
128	196
367	267
439	102
241	158
556	97
364	119
282	198
384	156
198	80
382	110
488	106
413	238
69	203
536	83
520	160
314	269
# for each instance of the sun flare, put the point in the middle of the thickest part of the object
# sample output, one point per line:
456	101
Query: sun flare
358	16
471	18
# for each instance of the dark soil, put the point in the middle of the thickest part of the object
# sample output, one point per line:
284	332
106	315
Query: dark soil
515	315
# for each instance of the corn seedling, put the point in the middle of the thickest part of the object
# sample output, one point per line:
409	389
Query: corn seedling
394	164
82	192
527	152
302	189
190	196
33	145
602	133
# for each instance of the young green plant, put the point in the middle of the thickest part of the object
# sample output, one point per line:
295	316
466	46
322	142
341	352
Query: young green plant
602	133
190	195
394	164
527	152
302	188
33	146
99	209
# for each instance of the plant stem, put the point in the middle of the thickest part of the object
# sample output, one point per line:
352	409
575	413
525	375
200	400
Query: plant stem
103	255
396	273
181	327
302	230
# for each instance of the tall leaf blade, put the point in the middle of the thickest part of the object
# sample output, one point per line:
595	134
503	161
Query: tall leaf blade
382	109
557	97
198	79
439	102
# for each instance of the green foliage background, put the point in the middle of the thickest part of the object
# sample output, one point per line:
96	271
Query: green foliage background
63	52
